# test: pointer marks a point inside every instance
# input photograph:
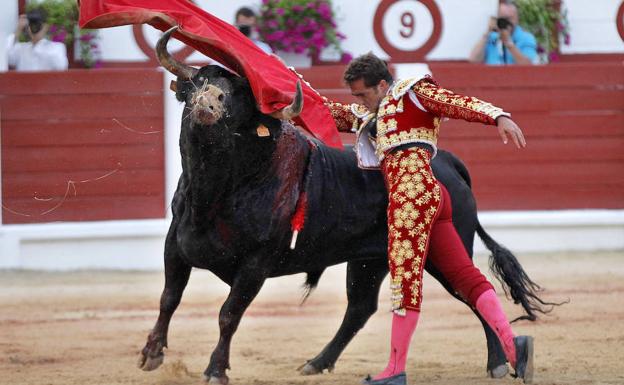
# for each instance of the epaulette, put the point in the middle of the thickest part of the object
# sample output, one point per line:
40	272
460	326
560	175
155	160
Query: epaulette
400	87
359	111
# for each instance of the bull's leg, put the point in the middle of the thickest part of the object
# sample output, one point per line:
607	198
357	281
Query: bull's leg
244	289
364	279
497	362
177	273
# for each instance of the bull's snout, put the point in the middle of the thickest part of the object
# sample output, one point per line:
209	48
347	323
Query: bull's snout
208	105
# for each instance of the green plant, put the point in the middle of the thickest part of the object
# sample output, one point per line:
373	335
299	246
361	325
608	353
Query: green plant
299	26
548	21
62	16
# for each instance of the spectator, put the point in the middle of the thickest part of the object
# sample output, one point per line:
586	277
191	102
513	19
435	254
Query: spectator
245	21
39	53
505	42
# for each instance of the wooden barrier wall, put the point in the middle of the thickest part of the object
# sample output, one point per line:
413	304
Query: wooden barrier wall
82	145
88	145
571	113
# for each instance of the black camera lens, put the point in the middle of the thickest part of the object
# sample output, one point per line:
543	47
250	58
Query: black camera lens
503	23
245	30
36	26
35	20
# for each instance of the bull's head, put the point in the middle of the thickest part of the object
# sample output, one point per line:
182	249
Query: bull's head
215	96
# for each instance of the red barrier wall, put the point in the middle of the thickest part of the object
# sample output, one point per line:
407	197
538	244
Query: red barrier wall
88	145
82	145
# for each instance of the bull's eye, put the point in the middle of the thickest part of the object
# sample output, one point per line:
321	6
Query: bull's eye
221	97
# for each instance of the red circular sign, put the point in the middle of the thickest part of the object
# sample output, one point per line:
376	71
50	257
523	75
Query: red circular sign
619	21
398	55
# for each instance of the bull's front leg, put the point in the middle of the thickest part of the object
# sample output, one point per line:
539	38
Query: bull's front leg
244	289
364	279
177	273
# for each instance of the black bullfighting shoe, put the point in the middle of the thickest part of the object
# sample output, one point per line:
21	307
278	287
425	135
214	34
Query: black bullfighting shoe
398	379
524	358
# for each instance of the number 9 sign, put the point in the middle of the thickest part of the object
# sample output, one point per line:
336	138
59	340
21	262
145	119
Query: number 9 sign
407	29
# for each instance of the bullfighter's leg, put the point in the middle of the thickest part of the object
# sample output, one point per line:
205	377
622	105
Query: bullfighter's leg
449	259
243	291
364	279
177	273
465	222
496	362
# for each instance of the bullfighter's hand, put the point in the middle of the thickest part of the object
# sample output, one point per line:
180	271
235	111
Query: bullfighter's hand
507	127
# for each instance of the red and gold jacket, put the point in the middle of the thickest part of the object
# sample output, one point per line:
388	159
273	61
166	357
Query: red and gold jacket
411	112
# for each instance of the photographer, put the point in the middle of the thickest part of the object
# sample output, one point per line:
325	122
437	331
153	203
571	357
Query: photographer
39	53
245	21
505	42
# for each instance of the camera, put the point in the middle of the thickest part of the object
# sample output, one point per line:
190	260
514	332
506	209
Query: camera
503	23
245	29
36	19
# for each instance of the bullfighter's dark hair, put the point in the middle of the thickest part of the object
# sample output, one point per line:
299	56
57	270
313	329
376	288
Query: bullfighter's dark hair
368	67
244	11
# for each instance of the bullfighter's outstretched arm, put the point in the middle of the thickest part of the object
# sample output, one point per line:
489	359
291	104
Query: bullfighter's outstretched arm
442	102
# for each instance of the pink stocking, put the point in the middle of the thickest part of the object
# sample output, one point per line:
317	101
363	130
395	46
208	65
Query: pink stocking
402	330
491	310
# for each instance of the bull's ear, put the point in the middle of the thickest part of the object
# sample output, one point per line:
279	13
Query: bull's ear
173	86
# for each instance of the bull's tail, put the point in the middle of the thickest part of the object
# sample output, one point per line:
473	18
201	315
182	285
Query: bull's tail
310	284
514	280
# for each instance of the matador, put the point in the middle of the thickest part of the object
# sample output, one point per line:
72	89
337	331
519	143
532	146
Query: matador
397	124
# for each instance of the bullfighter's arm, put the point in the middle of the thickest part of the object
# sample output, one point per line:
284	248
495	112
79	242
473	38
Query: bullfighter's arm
442	102
343	114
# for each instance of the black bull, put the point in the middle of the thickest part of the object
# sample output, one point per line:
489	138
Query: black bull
236	197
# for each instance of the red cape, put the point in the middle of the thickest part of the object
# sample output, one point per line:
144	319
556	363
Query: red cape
272	83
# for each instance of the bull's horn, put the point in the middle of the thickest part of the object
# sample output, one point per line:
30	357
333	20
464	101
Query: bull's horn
294	109
181	70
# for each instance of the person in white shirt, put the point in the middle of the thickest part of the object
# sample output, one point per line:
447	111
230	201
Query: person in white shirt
38	54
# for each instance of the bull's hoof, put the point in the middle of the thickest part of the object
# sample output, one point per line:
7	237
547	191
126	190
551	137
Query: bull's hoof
212	380
308	369
499	372
150	363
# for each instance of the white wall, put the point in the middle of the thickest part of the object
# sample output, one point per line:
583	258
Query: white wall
8	20
593	27
140	244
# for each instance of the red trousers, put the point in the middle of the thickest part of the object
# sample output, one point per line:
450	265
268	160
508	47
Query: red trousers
420	226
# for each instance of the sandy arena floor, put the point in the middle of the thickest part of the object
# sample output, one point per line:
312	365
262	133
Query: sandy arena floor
87	328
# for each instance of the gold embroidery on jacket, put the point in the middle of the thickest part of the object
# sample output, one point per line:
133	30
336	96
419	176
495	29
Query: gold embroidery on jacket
386	141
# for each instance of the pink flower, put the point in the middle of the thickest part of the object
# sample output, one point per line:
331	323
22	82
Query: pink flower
346	58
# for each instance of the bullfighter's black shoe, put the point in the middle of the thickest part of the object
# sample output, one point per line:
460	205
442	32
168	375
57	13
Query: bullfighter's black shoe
524	358
399	379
